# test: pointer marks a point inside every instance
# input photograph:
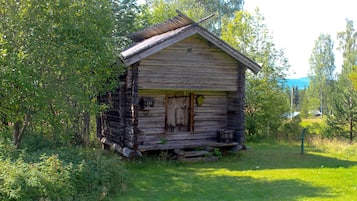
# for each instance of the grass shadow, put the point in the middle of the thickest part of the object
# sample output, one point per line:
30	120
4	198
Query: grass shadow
187	183
285	157
263	172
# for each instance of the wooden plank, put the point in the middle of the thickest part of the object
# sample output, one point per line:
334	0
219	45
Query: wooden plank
207	119
190	154
201	69
185	145
170	86
180	36
157	138
204	66
192	112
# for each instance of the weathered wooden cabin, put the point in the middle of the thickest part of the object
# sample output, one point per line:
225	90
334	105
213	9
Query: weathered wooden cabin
183	87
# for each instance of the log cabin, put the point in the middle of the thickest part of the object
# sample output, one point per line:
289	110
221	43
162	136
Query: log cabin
183	88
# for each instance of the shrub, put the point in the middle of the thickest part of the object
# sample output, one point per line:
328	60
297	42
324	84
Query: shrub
48	179
62	174
290	129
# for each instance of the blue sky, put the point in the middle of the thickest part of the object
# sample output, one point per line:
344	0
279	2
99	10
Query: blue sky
296	24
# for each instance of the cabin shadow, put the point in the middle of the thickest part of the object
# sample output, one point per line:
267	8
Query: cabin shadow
285	157
248	188
206	184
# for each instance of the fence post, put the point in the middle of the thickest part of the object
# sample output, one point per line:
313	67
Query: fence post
302	141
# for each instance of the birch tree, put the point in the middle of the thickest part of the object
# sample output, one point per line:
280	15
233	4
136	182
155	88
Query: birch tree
266	100
322	67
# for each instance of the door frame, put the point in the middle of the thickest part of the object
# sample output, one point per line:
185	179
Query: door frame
191	108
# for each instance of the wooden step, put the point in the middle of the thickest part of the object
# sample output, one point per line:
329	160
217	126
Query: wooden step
191	154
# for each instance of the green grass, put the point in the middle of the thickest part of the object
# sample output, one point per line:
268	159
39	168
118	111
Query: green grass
264	172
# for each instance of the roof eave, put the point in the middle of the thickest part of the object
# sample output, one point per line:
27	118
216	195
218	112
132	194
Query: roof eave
250	64
129	59
159	45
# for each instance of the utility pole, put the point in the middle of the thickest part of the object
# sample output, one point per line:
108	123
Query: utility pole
291	102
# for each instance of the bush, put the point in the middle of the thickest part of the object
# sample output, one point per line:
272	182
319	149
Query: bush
48	179
290	129
63	174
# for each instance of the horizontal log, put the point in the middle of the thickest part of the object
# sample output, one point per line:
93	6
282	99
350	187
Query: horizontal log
172	57
157	138
185	144
190	154
169	86
125	151
190	70
132	145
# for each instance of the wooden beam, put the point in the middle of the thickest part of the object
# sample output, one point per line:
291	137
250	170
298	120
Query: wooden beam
125	151
184	16
192	112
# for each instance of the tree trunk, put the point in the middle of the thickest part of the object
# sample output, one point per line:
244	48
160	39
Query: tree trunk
19	130
16	137
351	130
85	128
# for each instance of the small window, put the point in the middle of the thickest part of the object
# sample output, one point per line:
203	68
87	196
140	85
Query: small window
146	102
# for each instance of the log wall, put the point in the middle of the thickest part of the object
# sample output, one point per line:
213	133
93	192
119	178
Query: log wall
207	118
191	64
111	124
191	68
235	107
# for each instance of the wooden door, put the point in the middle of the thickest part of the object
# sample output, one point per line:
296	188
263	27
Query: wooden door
178	114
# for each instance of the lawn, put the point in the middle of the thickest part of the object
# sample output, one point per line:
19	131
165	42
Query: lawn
263	172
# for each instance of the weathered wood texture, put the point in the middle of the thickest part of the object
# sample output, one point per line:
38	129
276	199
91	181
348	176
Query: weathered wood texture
111	124
191	64
235	107
132	108
120	123
208	118
186	144
156	106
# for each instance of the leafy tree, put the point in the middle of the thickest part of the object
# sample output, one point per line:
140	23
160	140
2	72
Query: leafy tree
157	11
126	16
296	96
345	98
56	56
248	33
322	66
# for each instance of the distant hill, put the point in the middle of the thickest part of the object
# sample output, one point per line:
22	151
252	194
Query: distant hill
301	83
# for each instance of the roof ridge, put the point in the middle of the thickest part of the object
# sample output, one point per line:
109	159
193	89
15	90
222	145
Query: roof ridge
179	21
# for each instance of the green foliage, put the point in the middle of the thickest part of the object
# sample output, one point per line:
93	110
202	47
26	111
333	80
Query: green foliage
217	152
127	20
63	174
158	11
290	130
24	181
55	58
353	77
344	114
321	75
266	100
